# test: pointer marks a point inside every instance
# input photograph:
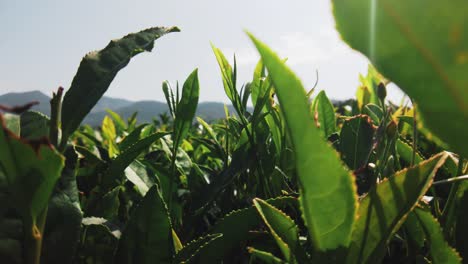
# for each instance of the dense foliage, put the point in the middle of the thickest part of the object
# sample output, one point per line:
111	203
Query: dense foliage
294	179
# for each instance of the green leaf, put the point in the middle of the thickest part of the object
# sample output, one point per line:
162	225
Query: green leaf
109	135
374	112
426	61
99	242
31	169
186	108
282	228
131	138
405	151
12	122
147	238
264	257
64	216
137	174
190	250
385	208
96	72
439	250
328	195
122	161
34	125
229	80
106	206
244	220
356	141
118	121
324	114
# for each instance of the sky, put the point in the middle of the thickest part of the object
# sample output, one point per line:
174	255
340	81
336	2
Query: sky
42	43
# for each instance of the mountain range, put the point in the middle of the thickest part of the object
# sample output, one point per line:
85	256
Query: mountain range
147	110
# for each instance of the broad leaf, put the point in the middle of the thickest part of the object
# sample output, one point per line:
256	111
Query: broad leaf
147	238
31	169
428	61
96	72
356	141
328	195
64	216
385	208
34	125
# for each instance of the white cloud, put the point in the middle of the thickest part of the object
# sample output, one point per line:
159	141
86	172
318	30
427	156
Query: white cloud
311	48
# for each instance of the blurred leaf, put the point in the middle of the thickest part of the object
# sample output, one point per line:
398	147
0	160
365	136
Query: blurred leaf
96	72
384	209
147	238
328	203
34	125
31	169
427	62
12	122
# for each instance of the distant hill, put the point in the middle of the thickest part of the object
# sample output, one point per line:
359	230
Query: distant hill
12	99
147	110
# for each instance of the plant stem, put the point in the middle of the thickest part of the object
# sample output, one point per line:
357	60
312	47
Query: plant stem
451	180
415	135
55	116
173	177
34	233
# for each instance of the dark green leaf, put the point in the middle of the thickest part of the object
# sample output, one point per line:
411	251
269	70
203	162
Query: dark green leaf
34	125
356	141
190	250
96	72
147	238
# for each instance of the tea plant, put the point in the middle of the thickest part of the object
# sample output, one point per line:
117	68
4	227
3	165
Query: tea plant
293	179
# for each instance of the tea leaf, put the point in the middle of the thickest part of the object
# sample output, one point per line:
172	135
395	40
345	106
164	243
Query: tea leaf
439	250
328	196
147	238
385	208
427	62
96	72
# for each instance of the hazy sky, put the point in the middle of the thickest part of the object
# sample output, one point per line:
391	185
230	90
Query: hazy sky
42	43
